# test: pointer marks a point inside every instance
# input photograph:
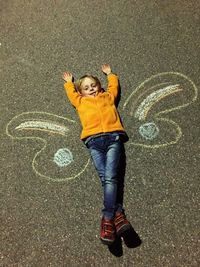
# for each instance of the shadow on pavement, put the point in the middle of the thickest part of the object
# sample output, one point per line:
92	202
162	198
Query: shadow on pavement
131	240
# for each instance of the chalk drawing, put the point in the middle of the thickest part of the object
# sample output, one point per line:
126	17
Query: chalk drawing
68	162
149	130
63	157
150	101
147	103
42	125
59	160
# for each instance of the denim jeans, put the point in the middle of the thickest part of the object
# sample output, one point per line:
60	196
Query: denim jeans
106	151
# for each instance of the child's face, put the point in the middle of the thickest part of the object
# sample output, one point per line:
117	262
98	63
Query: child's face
89	87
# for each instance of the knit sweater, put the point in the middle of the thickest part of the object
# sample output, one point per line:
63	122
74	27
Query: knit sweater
97	114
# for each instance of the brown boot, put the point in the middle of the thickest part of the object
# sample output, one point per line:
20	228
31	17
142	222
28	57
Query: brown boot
121	223
107	235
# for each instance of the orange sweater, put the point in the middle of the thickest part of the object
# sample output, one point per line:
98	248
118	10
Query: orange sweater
97	114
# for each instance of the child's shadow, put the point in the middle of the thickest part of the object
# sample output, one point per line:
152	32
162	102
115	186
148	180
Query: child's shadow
131	240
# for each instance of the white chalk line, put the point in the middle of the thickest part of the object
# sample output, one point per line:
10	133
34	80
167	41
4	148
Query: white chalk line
143	109
43	126
134	102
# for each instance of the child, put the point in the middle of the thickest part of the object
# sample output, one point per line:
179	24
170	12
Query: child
103	134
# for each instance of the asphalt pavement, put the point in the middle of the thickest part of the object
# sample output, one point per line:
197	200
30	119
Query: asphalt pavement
51	197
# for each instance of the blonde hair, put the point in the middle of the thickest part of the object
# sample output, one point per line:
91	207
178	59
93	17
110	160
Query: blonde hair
79	81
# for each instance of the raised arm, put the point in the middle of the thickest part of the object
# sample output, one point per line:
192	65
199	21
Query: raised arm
113	83
73	96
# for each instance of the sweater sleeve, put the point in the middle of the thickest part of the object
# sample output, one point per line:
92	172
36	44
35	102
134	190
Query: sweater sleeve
73	96
113	85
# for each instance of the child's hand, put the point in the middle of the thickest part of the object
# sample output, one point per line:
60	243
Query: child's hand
67	77
106	69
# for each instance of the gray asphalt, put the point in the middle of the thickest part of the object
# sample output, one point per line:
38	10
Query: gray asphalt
50	213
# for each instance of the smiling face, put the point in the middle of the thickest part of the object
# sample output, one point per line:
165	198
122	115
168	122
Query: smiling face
89	87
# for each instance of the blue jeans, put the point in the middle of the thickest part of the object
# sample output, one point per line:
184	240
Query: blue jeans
106	151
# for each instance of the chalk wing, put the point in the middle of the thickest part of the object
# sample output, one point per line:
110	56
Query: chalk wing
62	156
149	106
